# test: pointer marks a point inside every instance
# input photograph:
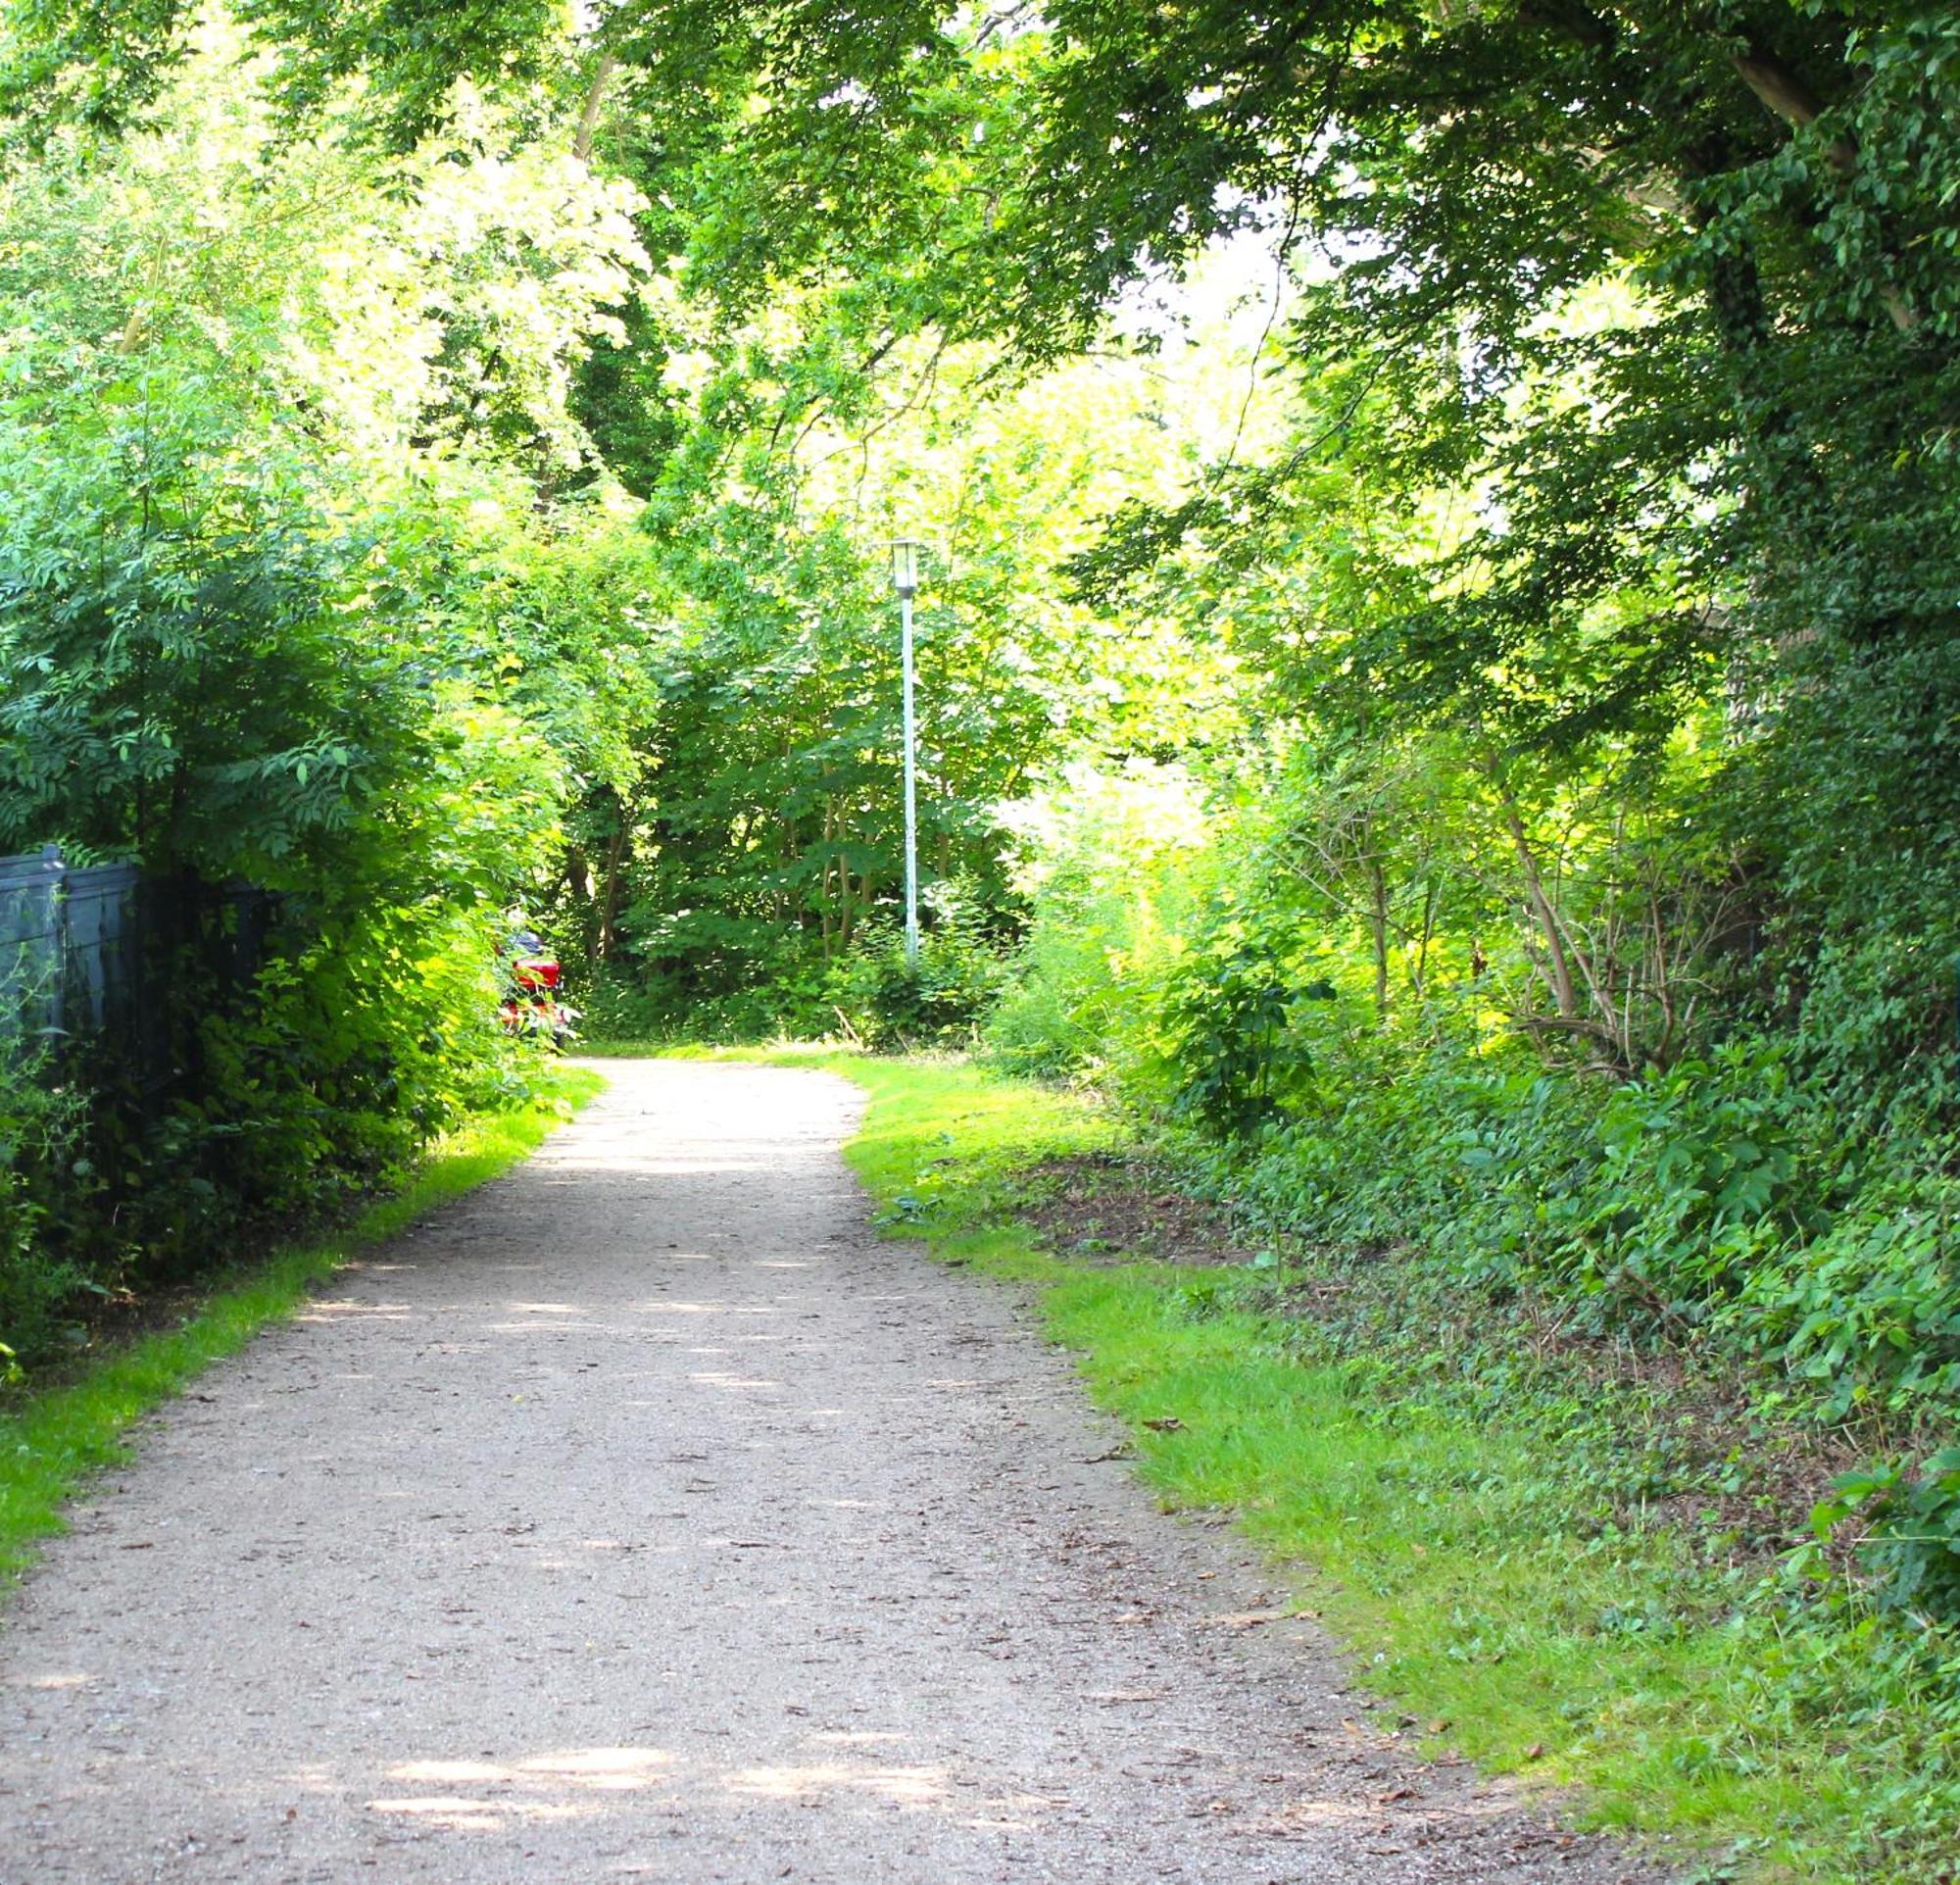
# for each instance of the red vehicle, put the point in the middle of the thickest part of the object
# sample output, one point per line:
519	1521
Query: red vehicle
531	1005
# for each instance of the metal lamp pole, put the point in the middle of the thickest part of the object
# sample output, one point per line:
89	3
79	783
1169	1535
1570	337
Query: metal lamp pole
905	580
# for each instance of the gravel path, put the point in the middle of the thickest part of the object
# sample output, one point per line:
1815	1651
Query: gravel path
643	1517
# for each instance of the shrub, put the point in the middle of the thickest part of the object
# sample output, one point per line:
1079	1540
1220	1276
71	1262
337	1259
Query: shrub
1113	863
888	1003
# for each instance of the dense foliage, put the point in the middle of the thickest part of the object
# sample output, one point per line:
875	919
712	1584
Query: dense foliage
275	574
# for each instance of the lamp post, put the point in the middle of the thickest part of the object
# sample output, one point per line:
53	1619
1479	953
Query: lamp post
905	580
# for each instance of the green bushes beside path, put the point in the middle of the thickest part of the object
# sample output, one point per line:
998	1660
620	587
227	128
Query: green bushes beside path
312	621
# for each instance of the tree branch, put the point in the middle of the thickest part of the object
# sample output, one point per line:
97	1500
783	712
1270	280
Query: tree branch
595	94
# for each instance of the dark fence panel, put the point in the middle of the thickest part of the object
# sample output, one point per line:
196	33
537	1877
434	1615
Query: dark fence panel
98	958
32	949
99	910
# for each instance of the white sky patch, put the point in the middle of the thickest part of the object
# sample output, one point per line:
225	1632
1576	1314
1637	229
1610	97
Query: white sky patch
1232	285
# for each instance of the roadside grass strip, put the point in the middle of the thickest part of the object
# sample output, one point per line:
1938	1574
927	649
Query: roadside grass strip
52	1439
1452	1555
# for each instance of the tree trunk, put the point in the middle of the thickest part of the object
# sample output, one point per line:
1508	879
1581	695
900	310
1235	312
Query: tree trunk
1378	929
615	862
595	95
1558	961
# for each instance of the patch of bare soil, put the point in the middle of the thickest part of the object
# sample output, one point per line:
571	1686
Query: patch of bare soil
1760	1478
1100	1206
99	1325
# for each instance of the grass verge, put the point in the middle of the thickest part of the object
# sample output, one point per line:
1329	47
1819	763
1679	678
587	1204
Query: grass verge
1460	1553
52	1439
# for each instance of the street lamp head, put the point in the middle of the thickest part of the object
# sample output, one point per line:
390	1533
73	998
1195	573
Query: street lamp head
905	567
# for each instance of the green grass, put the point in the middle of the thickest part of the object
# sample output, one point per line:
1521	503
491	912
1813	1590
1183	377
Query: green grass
52	1439
1456	1555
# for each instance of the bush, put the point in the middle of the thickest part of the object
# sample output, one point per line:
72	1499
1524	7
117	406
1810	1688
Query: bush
1710	1198
41	1131
1910	1524
887	1003
1112	865
294	594
1062	996
1783	1189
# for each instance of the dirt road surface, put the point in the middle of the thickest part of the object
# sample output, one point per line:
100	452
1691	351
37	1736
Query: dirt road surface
645	1517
